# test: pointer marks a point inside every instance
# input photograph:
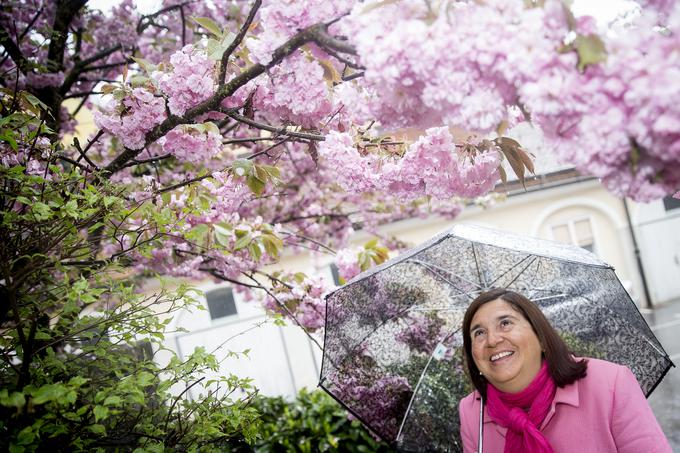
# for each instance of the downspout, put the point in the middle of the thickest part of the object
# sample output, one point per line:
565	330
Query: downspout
638	258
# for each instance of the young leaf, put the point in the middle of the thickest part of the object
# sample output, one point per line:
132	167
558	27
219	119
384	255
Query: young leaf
209	25
590	50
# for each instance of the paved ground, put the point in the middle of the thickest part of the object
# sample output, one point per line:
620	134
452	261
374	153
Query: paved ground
665	401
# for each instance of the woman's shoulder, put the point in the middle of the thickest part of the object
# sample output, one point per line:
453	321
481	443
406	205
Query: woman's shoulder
603	373
603	367
469	402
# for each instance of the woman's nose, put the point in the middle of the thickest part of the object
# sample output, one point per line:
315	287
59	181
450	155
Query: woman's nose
493	338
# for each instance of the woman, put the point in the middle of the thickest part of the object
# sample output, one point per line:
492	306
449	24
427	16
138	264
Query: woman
538	396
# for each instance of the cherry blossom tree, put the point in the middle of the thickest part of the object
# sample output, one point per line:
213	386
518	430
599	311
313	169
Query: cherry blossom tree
258	127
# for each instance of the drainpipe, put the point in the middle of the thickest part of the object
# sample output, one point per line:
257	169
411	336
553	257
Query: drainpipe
636	249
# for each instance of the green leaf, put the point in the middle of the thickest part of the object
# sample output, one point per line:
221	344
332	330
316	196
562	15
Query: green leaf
26	436
370	244
243	242
100	412
222	235
112	400
242	167
14	399
145	378
590	50
255	251
97	429
41	211
146	65
209	25
255	185
47	393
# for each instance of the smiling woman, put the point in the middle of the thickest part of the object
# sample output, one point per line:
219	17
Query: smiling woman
538	395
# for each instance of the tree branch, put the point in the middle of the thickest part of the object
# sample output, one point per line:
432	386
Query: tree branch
237	41
79	68
66	11
279	131
13	50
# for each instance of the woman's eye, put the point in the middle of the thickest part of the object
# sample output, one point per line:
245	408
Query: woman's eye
477	333
505	323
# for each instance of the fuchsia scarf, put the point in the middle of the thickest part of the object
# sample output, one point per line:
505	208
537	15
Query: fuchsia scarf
508	409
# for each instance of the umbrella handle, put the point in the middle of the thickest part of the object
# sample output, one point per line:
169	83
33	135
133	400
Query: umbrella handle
480	439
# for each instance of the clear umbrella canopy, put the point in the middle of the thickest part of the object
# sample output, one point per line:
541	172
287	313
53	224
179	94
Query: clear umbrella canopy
393	344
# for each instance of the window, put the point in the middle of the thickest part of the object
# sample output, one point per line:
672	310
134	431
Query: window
221	303
670	203
577	232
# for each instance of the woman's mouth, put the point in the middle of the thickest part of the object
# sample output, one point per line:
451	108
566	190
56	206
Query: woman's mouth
501	355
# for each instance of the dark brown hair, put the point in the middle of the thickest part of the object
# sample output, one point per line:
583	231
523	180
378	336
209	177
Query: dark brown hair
562	365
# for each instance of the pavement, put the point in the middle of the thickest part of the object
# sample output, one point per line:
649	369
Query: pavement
665	400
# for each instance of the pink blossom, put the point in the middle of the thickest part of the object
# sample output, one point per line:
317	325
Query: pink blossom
354	172
190	81
193	142
347	261
130	121
44	80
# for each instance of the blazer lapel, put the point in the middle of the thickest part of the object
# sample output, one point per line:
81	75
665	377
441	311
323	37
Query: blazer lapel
565	395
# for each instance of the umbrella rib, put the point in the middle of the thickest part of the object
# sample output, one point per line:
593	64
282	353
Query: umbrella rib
517	264
432	267
519	274
420	380
479	271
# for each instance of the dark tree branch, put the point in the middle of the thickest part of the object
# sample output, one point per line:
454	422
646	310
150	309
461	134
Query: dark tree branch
269	148
327	41
342	59
141	25
83	152
237	41
66	11
279	131
356	75
132	163
107	66
13	50
246	140
81	94
31	23
184	26
79	68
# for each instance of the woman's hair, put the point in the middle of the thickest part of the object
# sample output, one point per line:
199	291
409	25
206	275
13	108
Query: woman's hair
562	365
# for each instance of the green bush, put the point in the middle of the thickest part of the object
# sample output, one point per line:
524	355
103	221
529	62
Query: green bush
312	422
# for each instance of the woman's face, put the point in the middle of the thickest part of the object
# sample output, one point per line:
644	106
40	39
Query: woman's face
505	347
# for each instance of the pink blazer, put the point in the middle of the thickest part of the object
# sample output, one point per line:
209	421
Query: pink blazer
604	412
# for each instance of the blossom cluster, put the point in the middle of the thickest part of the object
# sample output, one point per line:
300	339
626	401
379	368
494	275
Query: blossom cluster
190	81
347	261
300	297
192	142
130	121
380	403
432	166
421	332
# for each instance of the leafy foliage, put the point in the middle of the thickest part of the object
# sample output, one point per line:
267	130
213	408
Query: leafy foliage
313	422
78	337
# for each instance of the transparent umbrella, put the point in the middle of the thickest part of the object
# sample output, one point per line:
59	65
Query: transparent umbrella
393	343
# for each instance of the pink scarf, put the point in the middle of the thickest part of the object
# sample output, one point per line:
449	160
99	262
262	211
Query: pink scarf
508	409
